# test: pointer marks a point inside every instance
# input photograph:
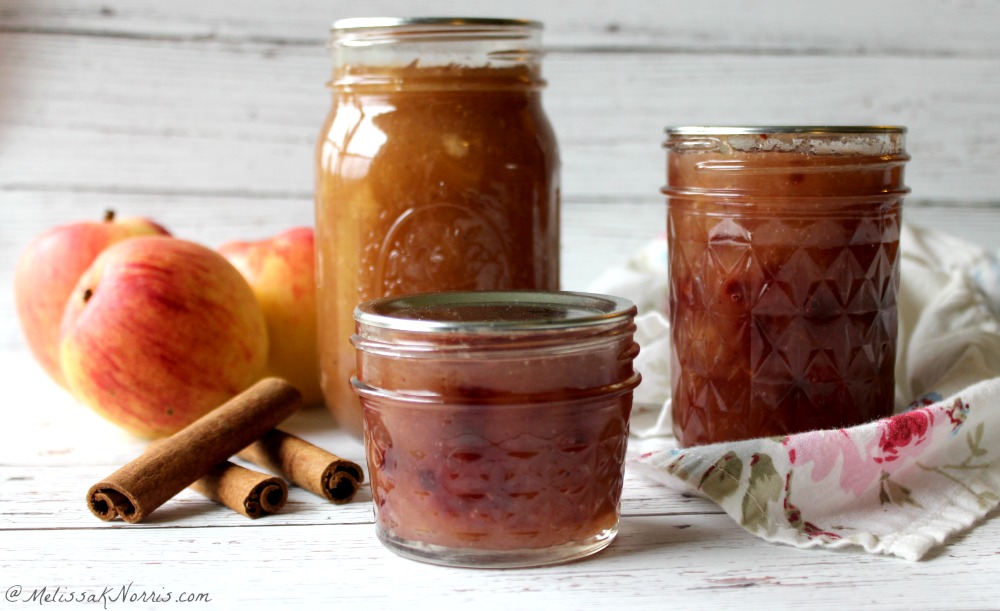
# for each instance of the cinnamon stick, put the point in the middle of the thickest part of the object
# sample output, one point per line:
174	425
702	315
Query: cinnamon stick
243	490
166	468
306	465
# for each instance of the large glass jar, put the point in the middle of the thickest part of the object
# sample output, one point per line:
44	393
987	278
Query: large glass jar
783	248
437	170
496	422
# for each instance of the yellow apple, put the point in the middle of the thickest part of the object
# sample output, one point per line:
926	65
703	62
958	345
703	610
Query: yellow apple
160	331
50	267
281	272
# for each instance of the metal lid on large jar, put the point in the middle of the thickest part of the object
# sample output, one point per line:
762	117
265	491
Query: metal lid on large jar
369	31
494	311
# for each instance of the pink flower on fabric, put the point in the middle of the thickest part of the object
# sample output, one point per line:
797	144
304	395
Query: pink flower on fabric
827	449
889	443
902	434
862	456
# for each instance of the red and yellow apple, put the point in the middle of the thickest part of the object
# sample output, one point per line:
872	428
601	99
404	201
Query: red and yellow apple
281	272
50	267
159	331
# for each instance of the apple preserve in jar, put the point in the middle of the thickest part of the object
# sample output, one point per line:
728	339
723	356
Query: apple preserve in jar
783	249
437	170
496	422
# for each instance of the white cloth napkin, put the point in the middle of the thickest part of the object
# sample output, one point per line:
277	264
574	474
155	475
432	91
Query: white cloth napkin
897	486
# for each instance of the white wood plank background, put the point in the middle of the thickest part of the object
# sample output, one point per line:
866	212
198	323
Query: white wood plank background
203	115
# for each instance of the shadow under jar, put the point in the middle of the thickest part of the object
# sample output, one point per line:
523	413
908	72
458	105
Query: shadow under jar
496	423
437	169
783	247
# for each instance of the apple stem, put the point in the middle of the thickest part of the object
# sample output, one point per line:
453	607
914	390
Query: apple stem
109	215
87	294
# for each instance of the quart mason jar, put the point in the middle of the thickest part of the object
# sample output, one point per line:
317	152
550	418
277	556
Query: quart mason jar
496	423
783	246
437	170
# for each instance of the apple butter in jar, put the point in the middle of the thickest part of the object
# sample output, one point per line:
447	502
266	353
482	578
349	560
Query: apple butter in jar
437	170
783	246
496	422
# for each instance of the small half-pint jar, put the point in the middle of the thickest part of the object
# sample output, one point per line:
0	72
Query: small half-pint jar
783	246
496	423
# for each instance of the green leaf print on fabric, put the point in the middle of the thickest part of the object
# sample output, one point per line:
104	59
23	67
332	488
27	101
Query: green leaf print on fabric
765	486
975	442
959	472
678	470
723	478
894	493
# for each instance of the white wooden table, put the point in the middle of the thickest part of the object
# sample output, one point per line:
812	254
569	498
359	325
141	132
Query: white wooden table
203	115
672	551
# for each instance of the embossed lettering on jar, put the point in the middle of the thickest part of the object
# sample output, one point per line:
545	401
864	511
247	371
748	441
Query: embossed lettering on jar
437	169
783	255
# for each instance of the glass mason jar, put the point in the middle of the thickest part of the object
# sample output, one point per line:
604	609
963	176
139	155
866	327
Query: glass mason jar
496	423
437	169
783	247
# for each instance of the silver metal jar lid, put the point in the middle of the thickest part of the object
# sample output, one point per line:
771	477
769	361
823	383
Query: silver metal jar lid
355	23
707	130
494	311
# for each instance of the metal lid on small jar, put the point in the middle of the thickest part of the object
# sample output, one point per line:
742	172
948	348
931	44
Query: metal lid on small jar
494	311
713	130
870	140
354	23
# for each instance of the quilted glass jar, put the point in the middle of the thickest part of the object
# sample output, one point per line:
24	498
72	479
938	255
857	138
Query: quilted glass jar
496	423
783	246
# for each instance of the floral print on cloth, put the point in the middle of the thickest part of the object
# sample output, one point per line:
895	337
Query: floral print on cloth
898	486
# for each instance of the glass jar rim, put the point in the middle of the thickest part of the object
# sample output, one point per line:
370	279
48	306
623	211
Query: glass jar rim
740	130
512	311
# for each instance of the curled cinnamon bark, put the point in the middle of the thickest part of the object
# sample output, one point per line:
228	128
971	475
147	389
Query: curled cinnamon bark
168	467
243	490
306	465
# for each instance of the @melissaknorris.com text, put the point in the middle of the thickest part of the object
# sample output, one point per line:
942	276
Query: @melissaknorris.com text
107	596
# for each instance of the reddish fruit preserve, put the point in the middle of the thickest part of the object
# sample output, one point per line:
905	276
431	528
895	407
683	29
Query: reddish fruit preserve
496	422
783	248
437	170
